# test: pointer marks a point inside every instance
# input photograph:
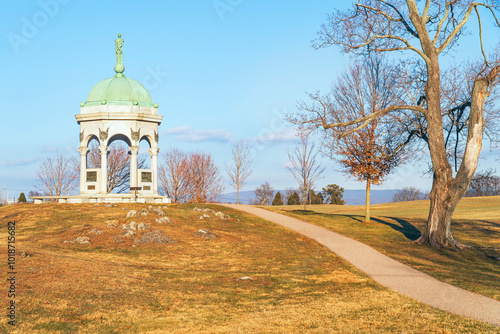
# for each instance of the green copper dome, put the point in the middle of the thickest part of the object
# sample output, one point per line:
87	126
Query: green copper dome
119	90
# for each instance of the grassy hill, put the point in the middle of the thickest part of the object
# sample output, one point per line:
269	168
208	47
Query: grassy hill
254	277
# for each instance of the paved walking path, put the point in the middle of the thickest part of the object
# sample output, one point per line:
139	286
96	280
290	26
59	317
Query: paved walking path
389	272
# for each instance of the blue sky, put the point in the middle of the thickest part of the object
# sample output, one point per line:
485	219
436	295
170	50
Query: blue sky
220	70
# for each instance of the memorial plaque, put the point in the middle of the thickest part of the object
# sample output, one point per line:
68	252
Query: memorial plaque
92	176
146	177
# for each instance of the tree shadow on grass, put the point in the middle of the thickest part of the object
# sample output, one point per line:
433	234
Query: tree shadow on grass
486	222
404	227
305	212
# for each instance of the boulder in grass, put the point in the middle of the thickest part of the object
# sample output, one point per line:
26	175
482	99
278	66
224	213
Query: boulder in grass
133	226
154	237
80	240
127	233
143	227
163	220
219	214
159	212
131	214
205	234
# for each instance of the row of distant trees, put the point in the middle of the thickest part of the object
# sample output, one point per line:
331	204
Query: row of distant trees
194	177
484	183
265	195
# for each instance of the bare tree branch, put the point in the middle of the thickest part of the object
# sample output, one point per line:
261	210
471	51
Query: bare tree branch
304	166
240	167
57	177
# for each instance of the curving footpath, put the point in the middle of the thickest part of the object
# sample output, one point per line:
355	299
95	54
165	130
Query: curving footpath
389	272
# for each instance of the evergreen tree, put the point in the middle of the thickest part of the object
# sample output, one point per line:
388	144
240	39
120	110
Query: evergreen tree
333	194
294	199
22	198
315	198
277	199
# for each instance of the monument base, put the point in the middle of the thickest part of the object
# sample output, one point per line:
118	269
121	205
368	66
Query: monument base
103	198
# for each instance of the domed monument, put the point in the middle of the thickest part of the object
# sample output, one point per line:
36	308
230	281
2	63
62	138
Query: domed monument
119	108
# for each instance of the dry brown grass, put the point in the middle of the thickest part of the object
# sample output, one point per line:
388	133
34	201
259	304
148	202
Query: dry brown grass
192	286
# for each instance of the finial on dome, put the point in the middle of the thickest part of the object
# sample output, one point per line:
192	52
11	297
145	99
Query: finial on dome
119	68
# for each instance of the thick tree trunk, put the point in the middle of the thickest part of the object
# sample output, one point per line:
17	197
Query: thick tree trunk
446	190
444	200
367	206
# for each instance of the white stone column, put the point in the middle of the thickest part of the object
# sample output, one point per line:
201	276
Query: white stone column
83	168
154	166
133	166
104	169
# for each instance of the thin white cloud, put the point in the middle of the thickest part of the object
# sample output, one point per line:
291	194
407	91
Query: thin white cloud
187	134
17	163
287	134
177	130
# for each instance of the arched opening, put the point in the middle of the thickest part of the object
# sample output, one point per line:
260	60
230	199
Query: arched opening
93	154
90	163
118	164
145	173
143	157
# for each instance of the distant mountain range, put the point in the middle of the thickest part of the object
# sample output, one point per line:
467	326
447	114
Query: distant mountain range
351	196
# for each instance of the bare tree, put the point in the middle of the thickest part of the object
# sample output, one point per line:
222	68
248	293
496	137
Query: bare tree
484	184
374	151
426	30
240	167
204	180
173	175
263	194
304	166
56	176
408	194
